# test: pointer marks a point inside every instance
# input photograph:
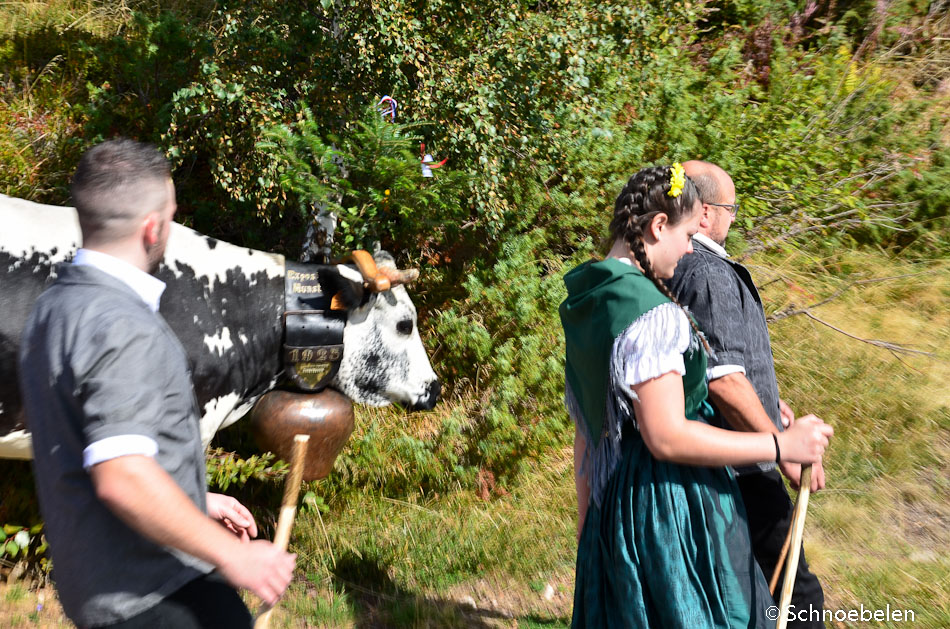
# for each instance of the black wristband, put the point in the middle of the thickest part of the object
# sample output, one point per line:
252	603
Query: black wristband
778	453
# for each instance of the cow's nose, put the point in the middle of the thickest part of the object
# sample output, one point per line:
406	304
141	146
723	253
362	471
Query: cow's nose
432	396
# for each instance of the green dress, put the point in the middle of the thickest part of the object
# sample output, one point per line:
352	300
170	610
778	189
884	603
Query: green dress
664	545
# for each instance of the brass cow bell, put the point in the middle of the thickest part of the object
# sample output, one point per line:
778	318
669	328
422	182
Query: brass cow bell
326	416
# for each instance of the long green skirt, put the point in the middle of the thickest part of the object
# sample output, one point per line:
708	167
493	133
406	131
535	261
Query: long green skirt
668	547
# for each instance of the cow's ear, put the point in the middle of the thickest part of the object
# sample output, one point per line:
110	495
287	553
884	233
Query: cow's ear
345	284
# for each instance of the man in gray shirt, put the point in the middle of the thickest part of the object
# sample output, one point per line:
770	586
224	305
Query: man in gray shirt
742	386
135	538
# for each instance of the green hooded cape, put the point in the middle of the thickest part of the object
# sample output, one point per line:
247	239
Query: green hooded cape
603	299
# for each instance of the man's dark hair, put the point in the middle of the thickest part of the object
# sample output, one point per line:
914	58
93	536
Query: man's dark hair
117	183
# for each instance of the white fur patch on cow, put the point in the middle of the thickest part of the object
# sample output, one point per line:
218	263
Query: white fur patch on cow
214	263
239	411
29	227
215	413
17	445
223	411
220	342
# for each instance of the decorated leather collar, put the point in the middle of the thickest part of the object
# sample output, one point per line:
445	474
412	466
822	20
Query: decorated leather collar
316	300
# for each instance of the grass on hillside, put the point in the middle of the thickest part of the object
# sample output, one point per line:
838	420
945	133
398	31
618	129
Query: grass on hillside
104	19
879	533
876	536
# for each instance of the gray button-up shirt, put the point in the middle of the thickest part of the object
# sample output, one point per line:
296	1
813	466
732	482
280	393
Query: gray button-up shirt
95	364
723	299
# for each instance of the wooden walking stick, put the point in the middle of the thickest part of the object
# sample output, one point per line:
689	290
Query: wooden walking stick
773	582
288	509
796	530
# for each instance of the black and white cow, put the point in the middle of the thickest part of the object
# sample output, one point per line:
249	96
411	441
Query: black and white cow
225	304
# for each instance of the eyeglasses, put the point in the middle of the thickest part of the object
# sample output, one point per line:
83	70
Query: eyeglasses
732	207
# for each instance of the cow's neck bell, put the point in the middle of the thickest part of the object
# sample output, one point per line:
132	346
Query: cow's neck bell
313	352
326	416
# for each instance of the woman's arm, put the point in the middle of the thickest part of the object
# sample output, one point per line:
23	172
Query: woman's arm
671	437
581	483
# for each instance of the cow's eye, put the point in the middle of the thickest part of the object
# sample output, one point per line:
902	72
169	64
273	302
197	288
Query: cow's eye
404	327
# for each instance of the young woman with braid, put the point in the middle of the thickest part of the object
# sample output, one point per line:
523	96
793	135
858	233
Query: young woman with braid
663	540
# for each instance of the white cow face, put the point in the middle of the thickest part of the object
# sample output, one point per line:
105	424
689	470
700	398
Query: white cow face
384	360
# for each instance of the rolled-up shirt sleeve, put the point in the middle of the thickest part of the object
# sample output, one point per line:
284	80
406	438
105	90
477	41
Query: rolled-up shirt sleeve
714	298
723	370
120	392
114	447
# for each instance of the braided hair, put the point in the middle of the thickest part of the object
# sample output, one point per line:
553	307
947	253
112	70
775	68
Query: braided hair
645	196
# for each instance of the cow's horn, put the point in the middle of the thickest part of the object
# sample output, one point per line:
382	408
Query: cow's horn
375	280
380	278
399	276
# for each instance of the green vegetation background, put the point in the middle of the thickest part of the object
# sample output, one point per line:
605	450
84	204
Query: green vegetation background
832	117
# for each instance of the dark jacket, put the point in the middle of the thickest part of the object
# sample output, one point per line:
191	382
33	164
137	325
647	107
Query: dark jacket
723	299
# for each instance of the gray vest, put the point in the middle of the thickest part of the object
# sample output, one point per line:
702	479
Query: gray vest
95	362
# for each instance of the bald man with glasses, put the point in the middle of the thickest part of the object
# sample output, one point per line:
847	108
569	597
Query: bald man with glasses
742	386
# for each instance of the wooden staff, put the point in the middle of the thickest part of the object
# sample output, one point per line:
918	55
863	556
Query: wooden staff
288	509
794	541
773	582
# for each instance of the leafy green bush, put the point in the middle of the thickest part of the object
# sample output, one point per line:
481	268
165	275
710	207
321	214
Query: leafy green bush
224	468
542	109
371	178
508	329
39	142
20	543
41	131
925	190
132	76
28	544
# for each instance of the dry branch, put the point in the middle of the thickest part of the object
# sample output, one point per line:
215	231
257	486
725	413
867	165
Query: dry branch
894	348
784	314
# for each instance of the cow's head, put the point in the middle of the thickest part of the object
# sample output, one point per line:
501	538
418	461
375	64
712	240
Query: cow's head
384	360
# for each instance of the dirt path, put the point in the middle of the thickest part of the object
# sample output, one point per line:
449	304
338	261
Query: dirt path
487	603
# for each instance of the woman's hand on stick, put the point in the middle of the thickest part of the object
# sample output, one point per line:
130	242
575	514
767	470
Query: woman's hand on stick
805	440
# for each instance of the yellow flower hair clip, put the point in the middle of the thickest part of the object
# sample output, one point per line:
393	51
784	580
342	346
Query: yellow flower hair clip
677	180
